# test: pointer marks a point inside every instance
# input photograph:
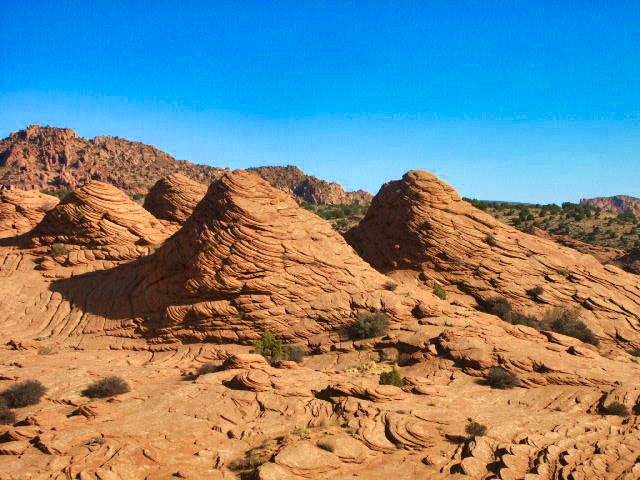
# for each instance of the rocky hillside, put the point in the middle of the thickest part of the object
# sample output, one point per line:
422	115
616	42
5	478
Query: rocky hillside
616	204
49	158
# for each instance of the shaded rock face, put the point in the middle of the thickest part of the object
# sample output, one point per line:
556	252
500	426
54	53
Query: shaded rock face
57	158
616	204
173	198
250	259
21	210
420	226
98	215
311	189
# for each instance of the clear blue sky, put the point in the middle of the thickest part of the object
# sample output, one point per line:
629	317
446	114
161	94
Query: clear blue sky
512	100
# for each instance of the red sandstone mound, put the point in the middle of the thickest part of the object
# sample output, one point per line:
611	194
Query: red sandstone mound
250	259
420	225
98	216
616	204
21	210
173	198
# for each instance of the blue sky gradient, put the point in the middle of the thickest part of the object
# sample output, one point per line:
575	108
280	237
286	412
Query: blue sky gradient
523	101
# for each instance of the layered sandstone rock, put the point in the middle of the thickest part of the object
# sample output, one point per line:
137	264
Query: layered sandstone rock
21	210
616	204
98	221
250	259
173	198
419	226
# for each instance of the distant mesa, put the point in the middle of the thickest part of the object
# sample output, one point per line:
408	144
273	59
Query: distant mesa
250	259
420	227
52	158
174	197
21	210
617	204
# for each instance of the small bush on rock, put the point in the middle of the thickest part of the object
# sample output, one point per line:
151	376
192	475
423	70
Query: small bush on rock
616	408
535	292
208	368
327	445
392	377
440	292
567	322
475	429
498	377
389	285
498	306
107	387
370	325
635	352
23	394
270	346
58	249
7	417
294	353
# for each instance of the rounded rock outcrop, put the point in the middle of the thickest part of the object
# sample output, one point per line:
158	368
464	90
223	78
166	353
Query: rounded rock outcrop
21	210
174	197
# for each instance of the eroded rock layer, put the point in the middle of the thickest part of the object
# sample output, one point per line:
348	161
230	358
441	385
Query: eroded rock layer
419	226
173	198
21	210
98	222
250	259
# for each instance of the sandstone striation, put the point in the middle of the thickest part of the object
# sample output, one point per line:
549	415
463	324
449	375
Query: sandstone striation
173	198
21	210
250	259
419	227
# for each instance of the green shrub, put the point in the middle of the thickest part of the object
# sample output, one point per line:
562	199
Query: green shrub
616	408
635	352
440	292
475	429
58	249
389	285
107	387
491	240
567	322
370	324
392	377
498	377
535	292
294	353
23	394
498	306
270	346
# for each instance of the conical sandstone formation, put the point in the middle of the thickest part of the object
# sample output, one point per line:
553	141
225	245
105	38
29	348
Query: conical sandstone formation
250	259
174	197
101	218
21	210
420	226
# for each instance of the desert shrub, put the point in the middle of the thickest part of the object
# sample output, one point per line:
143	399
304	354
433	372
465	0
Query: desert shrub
7	417
616	408
328	445
58	249
23	394
567	322
516	318
491	240
392	377
635	352
498	306
498	377
107	387
270	346
370	324
208	368
294	353
475	429
138	196
389	285
440	292
535	292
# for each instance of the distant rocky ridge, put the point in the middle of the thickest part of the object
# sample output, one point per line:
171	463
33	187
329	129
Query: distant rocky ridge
40	158
616	204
